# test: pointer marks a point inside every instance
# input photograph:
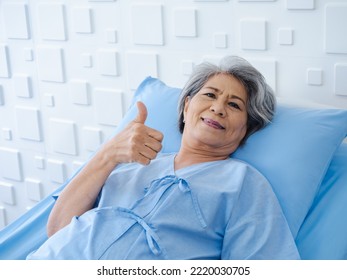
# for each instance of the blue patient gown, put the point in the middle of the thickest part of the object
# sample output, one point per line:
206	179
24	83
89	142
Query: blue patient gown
214	210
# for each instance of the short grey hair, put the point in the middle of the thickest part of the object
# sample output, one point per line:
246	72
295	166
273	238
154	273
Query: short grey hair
261	102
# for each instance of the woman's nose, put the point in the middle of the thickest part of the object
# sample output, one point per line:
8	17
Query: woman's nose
218	108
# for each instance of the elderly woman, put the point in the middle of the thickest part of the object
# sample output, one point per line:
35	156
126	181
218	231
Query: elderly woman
131	202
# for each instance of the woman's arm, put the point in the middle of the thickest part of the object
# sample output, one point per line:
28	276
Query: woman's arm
136	143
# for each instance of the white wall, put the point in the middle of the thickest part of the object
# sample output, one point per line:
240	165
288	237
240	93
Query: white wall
68	69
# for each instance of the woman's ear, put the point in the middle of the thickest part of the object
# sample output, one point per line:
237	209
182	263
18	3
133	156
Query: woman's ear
186	103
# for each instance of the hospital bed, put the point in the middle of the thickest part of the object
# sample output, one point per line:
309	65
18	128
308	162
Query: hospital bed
303	154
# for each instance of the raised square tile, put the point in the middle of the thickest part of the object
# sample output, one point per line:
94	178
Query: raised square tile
16	20
81	20
56	171
147	24
28	123
22	85
300	4
63	136
185	22
220	40
10	164
7	133
340	79
79	91
314	76
48	56
253	34
111	36
7	193
28	54
285	36
86	60
335	28
52	21
49	100
34	189
39	162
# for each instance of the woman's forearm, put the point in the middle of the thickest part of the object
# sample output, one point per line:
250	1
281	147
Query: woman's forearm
80	194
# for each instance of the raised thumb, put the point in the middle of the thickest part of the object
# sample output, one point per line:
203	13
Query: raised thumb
142	112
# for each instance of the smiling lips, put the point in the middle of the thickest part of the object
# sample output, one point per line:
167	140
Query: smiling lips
212	123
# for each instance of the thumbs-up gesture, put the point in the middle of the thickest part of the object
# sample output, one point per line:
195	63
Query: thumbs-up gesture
136	143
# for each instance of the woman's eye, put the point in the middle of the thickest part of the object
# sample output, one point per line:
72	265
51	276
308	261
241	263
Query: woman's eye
209	94
234	105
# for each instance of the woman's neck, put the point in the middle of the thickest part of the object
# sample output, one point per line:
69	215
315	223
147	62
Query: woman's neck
186	157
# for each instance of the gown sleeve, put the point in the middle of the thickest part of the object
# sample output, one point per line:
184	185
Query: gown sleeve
257	228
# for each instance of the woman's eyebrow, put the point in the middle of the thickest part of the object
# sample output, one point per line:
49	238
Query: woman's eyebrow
232	96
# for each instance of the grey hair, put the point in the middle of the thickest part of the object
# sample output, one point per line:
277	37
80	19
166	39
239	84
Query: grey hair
261	99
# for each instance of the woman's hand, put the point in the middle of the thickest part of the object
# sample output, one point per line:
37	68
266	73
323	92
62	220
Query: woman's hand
136	143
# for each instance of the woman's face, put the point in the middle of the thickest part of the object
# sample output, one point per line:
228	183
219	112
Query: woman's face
216	117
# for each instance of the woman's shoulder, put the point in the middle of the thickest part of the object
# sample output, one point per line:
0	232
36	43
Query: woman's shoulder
248	169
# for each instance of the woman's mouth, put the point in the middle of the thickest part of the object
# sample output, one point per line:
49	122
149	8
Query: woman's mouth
212	123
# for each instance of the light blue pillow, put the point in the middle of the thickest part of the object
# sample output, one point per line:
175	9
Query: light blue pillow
323	234
293	152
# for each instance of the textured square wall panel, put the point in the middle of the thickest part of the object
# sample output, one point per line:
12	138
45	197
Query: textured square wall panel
81	20
314	76
39	162
111	36
7	193
7	134
49	56
28	123
107	62
108	106
51	21
4	62
15	20
10	164
253	34
141	65
22	85
285	36
340	79
56	171
147	24
86	60
185	22
300	4
34	189
336	28
220	40
63	136
79	92
28	54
